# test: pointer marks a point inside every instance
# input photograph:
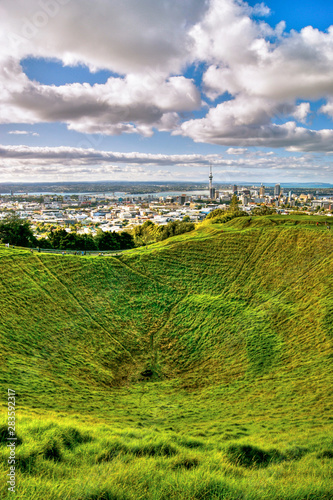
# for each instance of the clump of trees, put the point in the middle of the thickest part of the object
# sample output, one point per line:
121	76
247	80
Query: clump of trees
15	231
225	216
263	210
63	240
18	232
221	216
148	232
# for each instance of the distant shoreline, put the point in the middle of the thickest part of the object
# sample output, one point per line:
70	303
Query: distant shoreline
133	188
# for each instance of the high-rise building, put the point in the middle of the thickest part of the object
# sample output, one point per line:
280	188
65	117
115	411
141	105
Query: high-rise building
262	191
277	190
234	189
183	199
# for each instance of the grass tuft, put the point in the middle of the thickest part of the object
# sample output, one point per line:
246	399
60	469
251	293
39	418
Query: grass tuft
325	454
252	456
160	449
186	463
4	436
72	437
52	450
296	452
104	495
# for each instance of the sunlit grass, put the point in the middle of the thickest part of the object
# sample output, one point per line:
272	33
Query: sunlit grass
233	325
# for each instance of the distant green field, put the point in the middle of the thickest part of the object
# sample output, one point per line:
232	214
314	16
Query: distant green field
197	368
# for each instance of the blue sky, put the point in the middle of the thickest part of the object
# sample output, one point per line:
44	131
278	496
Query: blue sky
159	90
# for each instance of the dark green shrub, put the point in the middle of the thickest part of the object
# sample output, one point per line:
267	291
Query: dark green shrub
222	218
16	231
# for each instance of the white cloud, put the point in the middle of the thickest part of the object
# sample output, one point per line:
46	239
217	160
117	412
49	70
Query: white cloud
327	108
260	9
302	111
125	37
265	78
147	43
89	156
131	104
23	132
236	151
295	65
243	122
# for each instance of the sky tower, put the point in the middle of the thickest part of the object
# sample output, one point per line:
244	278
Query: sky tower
211	189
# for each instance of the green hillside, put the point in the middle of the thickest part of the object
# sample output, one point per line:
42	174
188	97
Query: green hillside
197	368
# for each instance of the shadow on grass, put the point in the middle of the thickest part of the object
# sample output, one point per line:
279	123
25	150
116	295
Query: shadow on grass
148	450
104	495
4	436
250	456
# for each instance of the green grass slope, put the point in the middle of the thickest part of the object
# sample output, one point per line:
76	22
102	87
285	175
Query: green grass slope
199	367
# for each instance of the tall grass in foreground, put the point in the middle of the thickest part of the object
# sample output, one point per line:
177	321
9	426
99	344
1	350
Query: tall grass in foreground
59	460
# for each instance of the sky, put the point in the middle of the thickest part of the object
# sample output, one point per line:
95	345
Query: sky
158	90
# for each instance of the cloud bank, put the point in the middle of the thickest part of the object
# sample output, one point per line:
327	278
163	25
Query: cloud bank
51	162
258	88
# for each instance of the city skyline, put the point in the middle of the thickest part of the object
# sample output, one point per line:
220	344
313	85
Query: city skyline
160	91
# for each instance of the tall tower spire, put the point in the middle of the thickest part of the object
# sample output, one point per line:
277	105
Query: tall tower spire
211	189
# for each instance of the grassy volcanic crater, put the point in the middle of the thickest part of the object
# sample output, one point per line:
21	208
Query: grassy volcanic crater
196	368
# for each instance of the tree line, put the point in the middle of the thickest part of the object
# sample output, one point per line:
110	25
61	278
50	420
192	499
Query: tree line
18	232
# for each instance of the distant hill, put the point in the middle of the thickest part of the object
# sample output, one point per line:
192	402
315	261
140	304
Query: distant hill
135	187
98	187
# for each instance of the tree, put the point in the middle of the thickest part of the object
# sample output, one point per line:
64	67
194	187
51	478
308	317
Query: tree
145	233
57	239
174	228
126	240
218	212
107	240
234	204
86	242
263	210
44	243
16	231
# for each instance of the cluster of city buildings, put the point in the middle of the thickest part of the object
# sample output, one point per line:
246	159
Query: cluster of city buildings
112	213
105	212
284	201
